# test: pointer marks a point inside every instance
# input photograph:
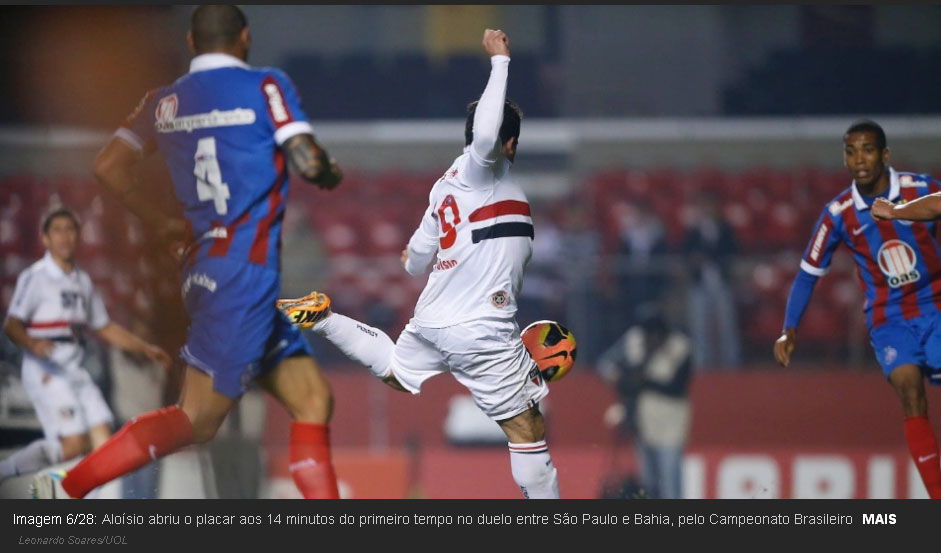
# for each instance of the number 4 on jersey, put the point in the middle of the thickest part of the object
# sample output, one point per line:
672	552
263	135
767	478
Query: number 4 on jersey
209	185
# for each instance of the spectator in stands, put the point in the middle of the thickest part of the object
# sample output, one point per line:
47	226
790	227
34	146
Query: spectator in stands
709	247
650	367
639	269
580	247
543	293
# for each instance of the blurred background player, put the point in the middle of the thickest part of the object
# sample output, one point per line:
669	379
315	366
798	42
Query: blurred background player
900	271
227	132
478	223
650	367
53	300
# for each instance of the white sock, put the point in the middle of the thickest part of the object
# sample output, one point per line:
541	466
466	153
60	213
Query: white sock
36	456
362	343
533	470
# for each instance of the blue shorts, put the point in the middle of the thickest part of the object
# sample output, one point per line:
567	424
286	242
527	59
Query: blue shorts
236	333
915	341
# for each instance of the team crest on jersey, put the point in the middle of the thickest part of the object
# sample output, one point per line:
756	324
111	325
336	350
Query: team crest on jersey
67	413
897	262
166	108
499	299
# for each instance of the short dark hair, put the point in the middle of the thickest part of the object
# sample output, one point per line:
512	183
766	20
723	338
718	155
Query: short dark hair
512	117
55	212
867	125
216	27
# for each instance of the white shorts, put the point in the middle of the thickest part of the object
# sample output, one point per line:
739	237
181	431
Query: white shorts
487	356
67	402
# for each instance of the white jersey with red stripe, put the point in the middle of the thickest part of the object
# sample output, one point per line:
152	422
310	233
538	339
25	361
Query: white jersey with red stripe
477	234
52	304
483	234
478	223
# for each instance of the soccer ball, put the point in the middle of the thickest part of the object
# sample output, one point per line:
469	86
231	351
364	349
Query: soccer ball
552	346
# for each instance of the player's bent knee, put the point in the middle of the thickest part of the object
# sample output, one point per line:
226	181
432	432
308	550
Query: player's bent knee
204	429
906	376
204	424
313	404
394	383
317	408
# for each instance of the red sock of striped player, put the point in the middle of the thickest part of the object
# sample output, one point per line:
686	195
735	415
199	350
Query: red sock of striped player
142	440
311	465
924	449
533	470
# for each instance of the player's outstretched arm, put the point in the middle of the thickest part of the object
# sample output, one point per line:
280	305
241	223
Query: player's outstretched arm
926	208
16	330
310	160
797	301
116	169
121	338
488	115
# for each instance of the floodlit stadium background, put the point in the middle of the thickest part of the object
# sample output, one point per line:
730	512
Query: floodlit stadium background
626	107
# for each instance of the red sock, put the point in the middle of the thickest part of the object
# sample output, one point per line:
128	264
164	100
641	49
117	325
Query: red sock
924	449
311	465
144	439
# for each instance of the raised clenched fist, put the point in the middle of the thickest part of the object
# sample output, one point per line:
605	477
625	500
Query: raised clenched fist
496	43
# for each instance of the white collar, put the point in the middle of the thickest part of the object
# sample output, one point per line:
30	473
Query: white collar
503	163
53	268
215	60
894	189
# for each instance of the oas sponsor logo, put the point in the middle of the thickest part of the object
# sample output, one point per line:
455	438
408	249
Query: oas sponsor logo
897	262
166	108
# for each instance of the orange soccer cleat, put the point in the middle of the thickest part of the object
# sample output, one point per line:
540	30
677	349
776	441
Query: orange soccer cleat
307	311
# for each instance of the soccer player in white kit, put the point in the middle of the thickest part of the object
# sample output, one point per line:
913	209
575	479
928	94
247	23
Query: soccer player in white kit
52	300
478	223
